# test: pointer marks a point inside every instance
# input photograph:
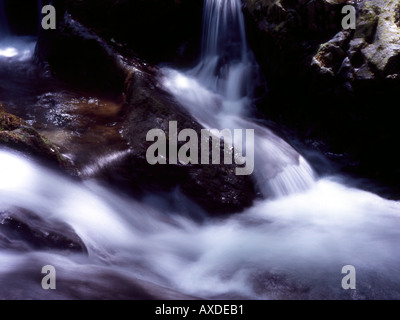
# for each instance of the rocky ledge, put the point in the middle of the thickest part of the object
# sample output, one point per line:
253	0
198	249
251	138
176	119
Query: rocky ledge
333	88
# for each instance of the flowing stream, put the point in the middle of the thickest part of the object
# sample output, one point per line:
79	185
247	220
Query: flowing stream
12	47
292	245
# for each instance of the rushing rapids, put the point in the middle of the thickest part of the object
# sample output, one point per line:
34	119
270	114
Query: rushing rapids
293	245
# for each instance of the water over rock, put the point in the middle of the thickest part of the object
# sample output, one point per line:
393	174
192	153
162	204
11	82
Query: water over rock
79	55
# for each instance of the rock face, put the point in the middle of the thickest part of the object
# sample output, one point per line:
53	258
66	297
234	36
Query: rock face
331	87
18	135
286	34
372	51
79	54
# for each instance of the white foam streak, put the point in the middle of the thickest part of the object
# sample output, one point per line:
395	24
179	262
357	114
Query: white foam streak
301	240
17	48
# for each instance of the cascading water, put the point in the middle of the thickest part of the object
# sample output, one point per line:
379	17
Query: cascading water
12	47
289	247
224	49
218	93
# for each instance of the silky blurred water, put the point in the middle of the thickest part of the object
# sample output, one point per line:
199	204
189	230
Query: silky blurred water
291	245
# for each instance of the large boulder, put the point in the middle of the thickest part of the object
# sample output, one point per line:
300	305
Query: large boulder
79	54
215	187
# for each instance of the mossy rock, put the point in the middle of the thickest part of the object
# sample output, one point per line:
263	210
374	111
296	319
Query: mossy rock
9	121
16	134
366	29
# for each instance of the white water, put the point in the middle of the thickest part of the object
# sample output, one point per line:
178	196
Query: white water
15	48
293	246
218	93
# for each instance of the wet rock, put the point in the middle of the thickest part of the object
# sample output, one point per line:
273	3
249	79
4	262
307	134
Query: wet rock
216	188
78	54
16	134
21	229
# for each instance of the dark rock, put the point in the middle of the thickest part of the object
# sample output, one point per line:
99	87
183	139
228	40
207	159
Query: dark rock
215	188
333	86
20	228
78	54
157	30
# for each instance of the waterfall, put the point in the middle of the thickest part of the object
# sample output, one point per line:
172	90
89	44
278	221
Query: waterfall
12	47
218	93
224	48
224	29
287	247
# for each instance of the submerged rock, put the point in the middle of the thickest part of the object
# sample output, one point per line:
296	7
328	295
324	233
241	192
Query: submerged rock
16	134
21	229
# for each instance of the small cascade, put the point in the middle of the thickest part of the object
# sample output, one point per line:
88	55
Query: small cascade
291	248
12	47
218	92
